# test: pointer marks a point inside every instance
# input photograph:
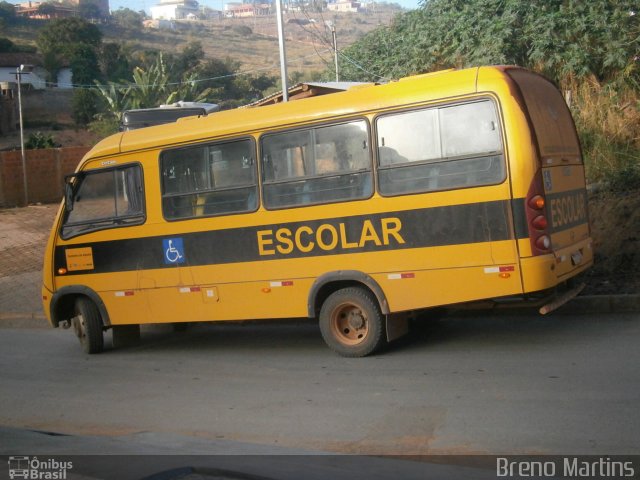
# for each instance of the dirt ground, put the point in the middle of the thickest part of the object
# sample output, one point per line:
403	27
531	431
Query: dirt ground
615	229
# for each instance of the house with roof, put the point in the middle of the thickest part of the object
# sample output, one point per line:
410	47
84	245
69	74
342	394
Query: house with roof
343	6
10	63
303	90
37	78
59	8
240	10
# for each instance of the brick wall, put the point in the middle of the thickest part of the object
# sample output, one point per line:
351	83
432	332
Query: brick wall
45	174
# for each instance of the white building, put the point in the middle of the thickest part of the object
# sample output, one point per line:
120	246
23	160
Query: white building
175	10
342	6
36	78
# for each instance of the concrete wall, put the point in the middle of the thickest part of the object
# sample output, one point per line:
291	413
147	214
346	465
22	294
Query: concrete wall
45	174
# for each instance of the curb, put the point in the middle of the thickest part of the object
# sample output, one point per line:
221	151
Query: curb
624	303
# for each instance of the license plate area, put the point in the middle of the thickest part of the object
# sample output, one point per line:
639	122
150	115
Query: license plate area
576	258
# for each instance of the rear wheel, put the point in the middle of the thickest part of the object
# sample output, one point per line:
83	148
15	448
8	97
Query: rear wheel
87	325
351	322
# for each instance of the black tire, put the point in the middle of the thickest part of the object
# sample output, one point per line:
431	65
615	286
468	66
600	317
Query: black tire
87	325
351	322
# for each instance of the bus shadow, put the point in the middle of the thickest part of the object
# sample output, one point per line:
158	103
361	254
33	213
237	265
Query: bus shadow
477	330
270	335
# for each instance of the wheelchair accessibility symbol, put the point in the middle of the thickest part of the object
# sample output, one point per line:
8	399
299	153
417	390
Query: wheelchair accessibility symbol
173	250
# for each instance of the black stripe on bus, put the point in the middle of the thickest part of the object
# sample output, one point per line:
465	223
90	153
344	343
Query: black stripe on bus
409	229
520	218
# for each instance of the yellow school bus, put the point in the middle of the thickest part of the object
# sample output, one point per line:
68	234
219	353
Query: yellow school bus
356	208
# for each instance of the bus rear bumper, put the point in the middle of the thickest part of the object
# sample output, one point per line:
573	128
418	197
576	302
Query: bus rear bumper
543	272
559	300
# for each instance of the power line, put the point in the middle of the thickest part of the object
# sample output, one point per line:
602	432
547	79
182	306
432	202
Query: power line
357	65
169	84
319	35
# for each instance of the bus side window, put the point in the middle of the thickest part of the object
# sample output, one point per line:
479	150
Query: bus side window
316	165
440	148
207	180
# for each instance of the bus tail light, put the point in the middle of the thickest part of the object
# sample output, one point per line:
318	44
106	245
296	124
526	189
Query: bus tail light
537	202
543	242
537	222
540	222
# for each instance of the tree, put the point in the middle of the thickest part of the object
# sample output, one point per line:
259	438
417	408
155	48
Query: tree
52	63
190	57
7	11
46	9
557	37
218	76
127	18
89	9
84	106
84	64
78	41
114	62
6	45
151	87
64	32
84	67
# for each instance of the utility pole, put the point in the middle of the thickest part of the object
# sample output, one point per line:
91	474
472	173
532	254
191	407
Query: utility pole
283	57
335	49
22	70
332	27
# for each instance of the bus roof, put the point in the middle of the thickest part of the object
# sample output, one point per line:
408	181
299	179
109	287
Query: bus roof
359	100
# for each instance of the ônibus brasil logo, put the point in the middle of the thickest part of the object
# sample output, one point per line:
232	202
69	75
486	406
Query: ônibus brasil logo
38	469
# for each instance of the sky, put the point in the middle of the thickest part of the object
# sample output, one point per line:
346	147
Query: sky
138	5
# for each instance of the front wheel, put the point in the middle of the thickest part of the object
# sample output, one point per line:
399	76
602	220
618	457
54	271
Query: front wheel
87	325
351	322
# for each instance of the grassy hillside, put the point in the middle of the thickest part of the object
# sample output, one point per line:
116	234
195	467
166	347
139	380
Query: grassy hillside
252	41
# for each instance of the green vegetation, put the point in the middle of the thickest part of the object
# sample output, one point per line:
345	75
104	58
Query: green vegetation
127	18
78	42
7	11
588	48
40	140
165	79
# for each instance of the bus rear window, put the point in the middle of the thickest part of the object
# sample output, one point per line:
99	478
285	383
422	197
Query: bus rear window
551	118
442	148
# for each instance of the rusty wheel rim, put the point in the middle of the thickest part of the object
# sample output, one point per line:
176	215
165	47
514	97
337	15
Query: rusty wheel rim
349	324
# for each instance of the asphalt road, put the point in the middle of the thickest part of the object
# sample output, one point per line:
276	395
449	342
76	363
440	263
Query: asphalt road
480	384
